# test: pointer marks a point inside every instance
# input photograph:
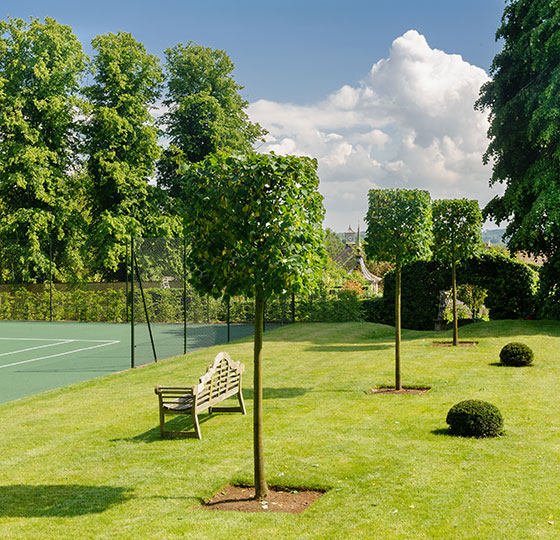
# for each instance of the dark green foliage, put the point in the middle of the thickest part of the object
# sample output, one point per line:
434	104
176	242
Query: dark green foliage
332	306
516	355
475	418
377	310
511	287
523	100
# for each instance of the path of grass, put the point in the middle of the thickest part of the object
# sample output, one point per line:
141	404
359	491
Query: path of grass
86	462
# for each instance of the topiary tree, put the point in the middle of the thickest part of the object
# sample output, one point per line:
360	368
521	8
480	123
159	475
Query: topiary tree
475	418
457	236
254	226
516	354
399	230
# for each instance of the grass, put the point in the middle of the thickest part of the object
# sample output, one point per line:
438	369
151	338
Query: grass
86	461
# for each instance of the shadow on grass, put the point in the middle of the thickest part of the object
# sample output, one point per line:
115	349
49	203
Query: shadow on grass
443	431
178	423
276	393
59	500
343	347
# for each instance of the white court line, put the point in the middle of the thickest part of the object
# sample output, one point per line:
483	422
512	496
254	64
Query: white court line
104	344
34	348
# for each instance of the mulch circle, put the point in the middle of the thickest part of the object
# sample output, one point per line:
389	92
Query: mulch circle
450	344
391	390
242	499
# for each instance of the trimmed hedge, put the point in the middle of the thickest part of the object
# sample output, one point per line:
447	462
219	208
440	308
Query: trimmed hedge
511	285
516	355
475	418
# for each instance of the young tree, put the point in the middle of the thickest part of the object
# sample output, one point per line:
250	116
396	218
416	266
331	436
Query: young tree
254	226
523	98
41	64
205	112
457	236
399	230
121	146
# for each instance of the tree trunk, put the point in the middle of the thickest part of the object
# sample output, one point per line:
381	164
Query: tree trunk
454	288
398	383
261	488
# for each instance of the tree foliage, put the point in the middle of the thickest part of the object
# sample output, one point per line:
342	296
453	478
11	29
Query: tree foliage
40	68
398	225
253	222
457	235
268	214
205	111
523	99
121	146
399	230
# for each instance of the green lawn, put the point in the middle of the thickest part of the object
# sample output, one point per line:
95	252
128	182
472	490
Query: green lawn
86	461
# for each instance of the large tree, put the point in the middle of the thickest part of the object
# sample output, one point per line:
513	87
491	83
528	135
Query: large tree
399	230
205	111
457	236
254	226
121	143
40	68
523	99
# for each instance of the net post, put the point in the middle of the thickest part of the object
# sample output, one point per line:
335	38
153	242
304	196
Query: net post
135	265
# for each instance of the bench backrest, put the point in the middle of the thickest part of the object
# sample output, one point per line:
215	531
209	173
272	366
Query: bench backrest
221	380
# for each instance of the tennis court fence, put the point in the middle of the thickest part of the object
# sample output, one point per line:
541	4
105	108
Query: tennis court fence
167	317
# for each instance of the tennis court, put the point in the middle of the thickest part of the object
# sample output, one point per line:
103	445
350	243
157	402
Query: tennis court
39	356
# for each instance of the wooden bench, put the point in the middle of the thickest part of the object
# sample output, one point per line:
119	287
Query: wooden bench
221	381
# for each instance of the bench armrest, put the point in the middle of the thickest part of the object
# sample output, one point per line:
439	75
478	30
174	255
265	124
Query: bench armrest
173	390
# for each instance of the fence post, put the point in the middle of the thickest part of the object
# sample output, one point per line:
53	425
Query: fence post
184	296
228	320
131	302
50	280
127	300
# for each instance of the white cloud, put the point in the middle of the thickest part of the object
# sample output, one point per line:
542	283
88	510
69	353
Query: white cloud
410	123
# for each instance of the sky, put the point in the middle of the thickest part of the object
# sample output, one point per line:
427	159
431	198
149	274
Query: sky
380	92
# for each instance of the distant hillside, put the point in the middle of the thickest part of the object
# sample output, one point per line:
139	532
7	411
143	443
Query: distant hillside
493	236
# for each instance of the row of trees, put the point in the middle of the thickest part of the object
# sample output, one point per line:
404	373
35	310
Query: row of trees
81	164
404	226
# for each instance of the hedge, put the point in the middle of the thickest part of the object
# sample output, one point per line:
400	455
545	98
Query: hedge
511	285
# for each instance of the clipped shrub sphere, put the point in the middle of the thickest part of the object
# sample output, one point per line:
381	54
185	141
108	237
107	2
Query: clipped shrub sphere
516	354
475	418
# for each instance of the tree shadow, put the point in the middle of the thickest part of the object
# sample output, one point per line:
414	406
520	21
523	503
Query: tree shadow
343	347
276	393
20	500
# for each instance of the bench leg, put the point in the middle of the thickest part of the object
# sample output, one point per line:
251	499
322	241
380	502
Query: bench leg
161	422
241	402
196	426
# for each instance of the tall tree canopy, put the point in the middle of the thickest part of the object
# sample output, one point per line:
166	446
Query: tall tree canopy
523	99
254	227
121	145
399	230
205	111
457	236
40	68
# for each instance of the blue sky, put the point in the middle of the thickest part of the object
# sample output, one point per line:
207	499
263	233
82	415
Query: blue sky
307	71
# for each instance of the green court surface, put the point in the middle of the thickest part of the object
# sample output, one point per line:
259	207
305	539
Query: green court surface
39	356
